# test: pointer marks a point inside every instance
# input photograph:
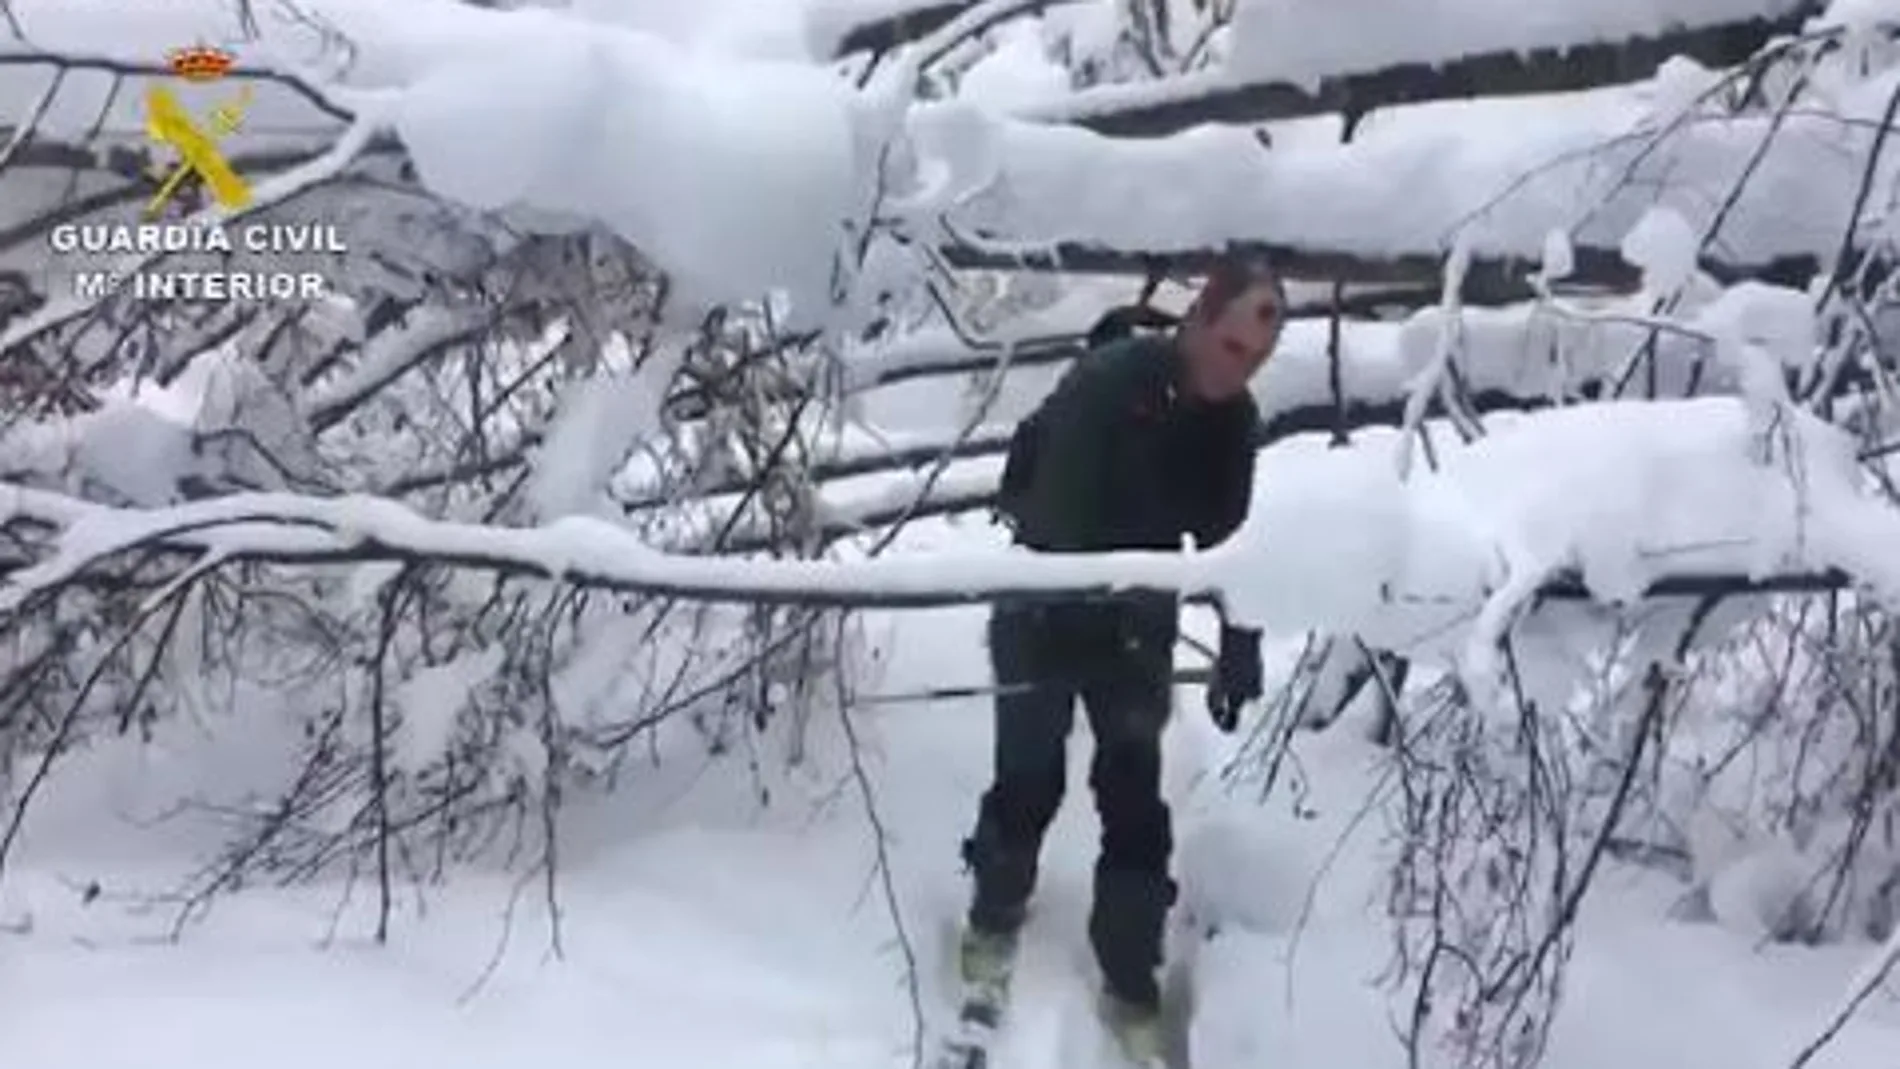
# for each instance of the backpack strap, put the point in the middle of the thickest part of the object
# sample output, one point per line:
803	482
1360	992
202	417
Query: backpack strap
1119	323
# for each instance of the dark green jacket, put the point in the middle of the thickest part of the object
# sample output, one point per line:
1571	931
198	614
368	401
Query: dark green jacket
1117	458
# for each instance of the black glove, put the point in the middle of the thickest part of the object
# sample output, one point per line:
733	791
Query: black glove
1237	675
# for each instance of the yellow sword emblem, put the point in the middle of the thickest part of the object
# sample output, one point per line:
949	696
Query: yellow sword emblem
167	122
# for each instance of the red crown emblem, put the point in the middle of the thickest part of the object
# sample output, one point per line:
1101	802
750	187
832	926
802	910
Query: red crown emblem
200	63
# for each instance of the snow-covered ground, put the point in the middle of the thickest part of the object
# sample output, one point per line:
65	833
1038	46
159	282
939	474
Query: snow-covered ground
699	928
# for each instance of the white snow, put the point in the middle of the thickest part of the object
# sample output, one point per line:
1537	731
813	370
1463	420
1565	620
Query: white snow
1302	41
574	547
1559	258
597	421
135	453
1621	493
136	446
701	930
1859	14
124	449
1503	171
761	29
432	699
392	353
608	125
1664	245
1016	72
668	143
1529	351
665	148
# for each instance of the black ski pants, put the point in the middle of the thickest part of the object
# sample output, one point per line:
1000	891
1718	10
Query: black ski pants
1118	661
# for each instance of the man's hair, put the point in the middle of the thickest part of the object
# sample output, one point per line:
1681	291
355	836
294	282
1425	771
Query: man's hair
1235	272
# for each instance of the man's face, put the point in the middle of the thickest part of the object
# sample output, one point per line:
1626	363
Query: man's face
1224	351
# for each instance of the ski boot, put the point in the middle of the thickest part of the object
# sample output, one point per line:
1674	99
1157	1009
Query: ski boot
985	961
1136	1030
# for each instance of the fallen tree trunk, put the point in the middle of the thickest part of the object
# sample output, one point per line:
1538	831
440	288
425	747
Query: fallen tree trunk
1159	109
304	531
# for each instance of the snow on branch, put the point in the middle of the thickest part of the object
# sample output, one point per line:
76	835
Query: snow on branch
1490	281
1559	50
1775	179
1516	358
999	189
1615	500
293	529
534	150
391	354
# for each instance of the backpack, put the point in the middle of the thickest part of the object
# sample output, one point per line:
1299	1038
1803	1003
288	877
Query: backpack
1019	469
1123	322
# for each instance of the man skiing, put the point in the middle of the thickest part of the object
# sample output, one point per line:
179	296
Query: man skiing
1144	440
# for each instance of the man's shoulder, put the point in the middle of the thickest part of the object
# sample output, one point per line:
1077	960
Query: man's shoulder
1134	351
1126	363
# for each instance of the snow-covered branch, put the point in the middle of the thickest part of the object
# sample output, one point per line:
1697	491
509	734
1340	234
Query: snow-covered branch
291	529
1417	564
392	354
1555	52
1490	281
1778	187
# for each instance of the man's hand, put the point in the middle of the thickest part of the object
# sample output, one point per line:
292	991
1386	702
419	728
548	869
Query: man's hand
1237	675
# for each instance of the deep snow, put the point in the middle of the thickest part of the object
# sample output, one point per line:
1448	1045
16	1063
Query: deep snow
699	929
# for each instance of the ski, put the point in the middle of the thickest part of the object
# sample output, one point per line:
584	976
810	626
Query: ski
979	1019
